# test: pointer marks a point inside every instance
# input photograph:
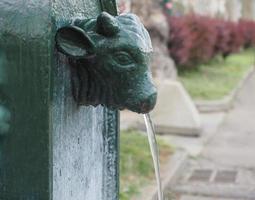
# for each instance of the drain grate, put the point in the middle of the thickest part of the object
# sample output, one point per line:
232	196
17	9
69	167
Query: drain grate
225	176
208	175
203	175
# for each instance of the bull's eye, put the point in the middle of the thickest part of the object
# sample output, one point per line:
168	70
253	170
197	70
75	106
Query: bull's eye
123	58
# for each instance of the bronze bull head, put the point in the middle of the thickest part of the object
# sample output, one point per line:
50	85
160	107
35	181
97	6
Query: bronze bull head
109	58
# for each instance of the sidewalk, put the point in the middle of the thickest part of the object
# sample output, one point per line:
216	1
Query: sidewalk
225	169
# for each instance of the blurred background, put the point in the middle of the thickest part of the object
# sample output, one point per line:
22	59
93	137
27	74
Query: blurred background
203	66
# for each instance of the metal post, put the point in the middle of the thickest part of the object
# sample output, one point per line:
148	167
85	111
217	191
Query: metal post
50	148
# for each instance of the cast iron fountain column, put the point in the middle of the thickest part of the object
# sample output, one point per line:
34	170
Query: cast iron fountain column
58	59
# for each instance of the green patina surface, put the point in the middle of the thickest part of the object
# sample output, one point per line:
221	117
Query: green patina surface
51	145
38	115
110	58
25	43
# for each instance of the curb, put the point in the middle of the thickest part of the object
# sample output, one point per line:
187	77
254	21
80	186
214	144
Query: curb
170	172
226	103
172	130
173	167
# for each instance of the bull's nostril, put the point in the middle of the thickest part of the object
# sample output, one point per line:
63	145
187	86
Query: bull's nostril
148	104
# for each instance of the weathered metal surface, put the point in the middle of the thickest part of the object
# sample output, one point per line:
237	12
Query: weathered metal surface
25	44
110	58
109	6
49	148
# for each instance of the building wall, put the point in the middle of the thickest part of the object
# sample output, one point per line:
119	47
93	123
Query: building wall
233	9
227	9
248	10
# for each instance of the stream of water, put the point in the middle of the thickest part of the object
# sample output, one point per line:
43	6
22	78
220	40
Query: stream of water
154	152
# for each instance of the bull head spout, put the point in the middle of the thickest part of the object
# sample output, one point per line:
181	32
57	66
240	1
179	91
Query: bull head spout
109	58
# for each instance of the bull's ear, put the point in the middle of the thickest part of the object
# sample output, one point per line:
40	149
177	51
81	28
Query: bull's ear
74	42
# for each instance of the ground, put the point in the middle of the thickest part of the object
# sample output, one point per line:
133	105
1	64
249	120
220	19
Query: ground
221	162
224	170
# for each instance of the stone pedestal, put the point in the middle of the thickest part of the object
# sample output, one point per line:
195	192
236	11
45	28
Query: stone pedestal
175	112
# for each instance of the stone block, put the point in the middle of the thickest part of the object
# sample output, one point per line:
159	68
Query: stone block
175	112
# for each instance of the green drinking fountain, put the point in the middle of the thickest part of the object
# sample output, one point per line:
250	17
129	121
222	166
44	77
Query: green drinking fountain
66	68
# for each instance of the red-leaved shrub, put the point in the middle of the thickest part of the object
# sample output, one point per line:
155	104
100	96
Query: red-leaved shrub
222	37
180	41
247	29
235	41
203	36
195	39
192	40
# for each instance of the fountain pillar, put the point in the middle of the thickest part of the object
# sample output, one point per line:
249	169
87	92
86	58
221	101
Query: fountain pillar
58	59
50	148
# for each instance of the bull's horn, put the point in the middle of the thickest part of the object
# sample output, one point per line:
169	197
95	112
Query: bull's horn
107	25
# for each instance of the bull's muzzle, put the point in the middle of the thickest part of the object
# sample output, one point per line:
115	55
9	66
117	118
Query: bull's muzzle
143	100
148	103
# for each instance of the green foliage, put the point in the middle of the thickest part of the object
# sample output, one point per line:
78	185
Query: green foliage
136	167
219	77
